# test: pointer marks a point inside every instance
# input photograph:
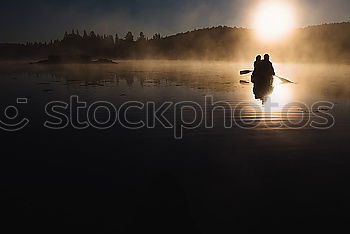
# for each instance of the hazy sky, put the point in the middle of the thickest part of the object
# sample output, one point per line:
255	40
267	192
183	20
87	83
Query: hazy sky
44	20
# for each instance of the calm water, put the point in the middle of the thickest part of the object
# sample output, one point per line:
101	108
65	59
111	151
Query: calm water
161	81
210	180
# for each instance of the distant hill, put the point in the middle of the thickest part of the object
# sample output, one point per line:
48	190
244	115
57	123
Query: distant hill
322	43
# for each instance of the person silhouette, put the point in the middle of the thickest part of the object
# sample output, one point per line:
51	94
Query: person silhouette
263	78
257	65
267	70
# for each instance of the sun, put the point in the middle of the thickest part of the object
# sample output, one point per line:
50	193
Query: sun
273	21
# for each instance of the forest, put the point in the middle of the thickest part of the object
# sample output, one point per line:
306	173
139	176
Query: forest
322	43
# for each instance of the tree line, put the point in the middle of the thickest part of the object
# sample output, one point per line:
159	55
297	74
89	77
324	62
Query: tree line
328	42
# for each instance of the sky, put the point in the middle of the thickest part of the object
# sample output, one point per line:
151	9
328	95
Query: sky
39	20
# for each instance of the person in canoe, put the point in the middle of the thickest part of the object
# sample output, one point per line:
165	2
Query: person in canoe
257	69
267	70
263	70
263	78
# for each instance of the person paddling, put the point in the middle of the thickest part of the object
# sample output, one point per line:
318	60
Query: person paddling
267	70
257	70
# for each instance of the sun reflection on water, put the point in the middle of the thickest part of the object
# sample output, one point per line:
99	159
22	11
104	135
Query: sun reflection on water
272	108
282	93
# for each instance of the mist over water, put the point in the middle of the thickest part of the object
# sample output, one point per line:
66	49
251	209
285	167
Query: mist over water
132	116
209	177
162	80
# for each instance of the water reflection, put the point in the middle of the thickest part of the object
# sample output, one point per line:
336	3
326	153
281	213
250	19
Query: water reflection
176	80
214	77
262	90
314	82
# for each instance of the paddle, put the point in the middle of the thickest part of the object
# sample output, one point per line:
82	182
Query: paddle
284	80
245	72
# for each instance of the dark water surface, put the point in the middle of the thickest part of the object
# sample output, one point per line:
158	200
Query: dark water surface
213	180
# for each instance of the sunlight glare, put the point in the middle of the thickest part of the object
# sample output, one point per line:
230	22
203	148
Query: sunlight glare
273	21
282	93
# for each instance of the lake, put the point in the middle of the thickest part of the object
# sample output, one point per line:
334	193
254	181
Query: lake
219	154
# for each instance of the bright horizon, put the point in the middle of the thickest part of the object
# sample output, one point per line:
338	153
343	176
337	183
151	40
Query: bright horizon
260	32
40	20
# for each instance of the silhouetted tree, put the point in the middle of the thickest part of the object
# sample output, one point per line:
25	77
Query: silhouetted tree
156	36
142	37
116	38
85	36
310	43
92	35
129	37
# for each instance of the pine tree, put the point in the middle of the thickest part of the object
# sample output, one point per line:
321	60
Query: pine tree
129	37
116	41
85	36
141	37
